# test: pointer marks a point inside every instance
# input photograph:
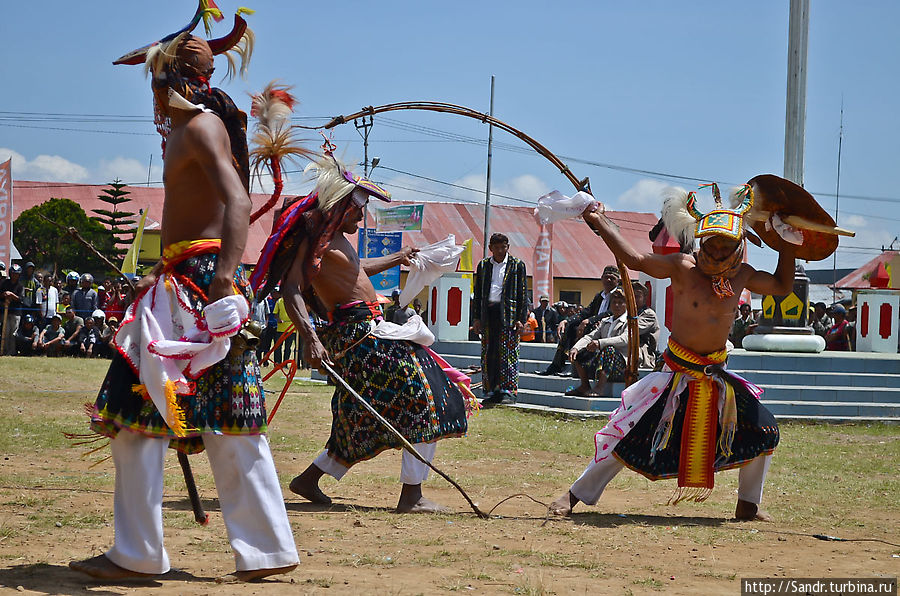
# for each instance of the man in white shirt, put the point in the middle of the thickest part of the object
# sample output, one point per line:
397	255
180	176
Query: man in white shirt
499	311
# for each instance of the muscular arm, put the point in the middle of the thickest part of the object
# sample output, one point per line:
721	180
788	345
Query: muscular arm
209	144
779	283
376	265
313	350
658	266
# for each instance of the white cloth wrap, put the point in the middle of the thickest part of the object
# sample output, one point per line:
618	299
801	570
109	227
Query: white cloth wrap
787	232
165	339
413	330
429	264
555	206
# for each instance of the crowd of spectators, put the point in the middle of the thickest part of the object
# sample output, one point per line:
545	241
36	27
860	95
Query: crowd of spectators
43	315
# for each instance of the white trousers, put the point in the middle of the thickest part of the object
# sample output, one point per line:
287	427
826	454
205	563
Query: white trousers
412	471
597	475
249	496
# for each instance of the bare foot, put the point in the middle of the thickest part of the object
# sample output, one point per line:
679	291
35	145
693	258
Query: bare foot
101	567
253	575
423	505
412	501
563	506
747	511
307	486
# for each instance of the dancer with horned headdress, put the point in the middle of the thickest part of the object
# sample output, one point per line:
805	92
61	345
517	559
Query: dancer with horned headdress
694	418
179	379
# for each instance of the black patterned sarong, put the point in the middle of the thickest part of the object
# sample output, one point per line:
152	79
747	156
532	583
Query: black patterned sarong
228	397
399	378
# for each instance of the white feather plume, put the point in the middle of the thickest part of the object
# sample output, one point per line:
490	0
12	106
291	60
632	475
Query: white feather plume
330	184
678	221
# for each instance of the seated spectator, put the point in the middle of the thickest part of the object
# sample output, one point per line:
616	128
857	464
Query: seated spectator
417	306
572	328
71	330
648	328
743	325
27	336
851	327
603	353
100	325
108	335
88	339
605	348
837	338
51	338
820	321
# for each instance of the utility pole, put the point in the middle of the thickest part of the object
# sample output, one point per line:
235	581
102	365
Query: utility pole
795	113
837	203
364	124
487	191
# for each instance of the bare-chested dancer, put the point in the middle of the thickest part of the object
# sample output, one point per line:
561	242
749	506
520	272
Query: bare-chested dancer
694	418
400	378
221	409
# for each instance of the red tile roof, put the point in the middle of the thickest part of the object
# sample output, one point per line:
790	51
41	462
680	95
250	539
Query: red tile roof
28	194
859	279
577	252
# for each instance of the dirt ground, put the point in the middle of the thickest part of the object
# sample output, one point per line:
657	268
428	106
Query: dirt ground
55	508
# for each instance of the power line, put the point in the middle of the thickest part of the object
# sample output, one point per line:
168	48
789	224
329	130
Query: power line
442	135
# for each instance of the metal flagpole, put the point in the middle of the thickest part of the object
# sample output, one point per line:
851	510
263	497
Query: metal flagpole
837	202
487	191
795	112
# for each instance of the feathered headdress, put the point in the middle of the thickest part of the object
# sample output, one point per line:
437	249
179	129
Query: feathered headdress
685	221
274	138
335	181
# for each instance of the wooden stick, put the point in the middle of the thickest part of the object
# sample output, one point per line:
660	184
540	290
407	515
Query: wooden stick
805	224
406	444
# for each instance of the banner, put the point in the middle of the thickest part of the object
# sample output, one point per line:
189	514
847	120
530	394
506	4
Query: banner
381	245
542	275
404	218
466	264
6	209
129	264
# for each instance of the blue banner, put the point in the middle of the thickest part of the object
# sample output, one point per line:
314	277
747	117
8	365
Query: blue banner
381	244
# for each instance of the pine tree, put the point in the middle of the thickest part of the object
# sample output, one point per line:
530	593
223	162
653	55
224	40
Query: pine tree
121	224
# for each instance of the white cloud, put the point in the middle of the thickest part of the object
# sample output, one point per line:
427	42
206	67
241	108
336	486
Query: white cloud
853	222
127	170
44	168
645	195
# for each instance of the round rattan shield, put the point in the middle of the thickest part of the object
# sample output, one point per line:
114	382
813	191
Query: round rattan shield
773	194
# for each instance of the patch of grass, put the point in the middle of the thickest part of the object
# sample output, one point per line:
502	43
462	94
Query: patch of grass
649	582
69	520
367	560
321	582
565	560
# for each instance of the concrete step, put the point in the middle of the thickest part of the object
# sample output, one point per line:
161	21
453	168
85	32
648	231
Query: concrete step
832	394
560	400
812	379
839	410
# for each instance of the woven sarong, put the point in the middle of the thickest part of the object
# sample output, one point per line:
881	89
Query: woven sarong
399	378
227	398
689	421
499	355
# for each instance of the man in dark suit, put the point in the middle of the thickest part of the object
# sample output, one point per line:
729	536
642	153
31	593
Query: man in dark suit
500	309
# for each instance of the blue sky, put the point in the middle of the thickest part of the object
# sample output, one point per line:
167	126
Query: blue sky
693	89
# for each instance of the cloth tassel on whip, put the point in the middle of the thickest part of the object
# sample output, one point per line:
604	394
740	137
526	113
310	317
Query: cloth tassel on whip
406	444
199	514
